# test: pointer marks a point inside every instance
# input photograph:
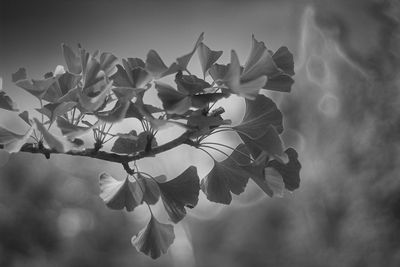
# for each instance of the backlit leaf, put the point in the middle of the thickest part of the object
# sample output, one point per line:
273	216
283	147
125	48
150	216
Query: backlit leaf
154	239
120	194
108	63
181	192
150	187
116	114
173	100
37	88
156	66
13	142
53	110
183	61
71	130
207	57
270	142
25	117
73	60
260	113
190	84
227	176
92	98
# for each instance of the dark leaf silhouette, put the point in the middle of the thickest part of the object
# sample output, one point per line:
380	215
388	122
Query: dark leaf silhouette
181	192
227	176
289	171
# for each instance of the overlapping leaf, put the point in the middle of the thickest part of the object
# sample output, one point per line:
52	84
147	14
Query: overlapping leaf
260	113
120	194
290	171
72	59
52	141
116	114
71	130
54	110
207	57
132	74
65	83
13	142
151	191
154	239
247	88
226	177
37	88
132	143
181	192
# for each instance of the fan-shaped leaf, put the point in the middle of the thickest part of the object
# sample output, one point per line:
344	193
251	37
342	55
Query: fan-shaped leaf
207	57
154	239
259	62
131	143
53	110
120	194
260	113
71	130
73	60
183	61
13	142
248	88
281	82
181	192
190	84
270	142
227	176
108	63
156	66
117	113
173	100
6	102
151	190
37	88
289	171
284	60
92	98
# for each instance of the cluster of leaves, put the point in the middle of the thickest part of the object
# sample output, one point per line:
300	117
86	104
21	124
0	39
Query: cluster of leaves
93	92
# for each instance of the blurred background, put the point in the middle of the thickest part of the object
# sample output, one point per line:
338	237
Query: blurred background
343	117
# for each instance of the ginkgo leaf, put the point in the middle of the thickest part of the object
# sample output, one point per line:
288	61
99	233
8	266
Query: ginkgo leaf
94	97
6	102
207	57
248	88
259	62
133	74
71	130
37	88
181	192
13	142
173	100
73	60
289	171
190	84
25	117
65	82
108	63
157	67
133	143
202	100
204	123
260	113
270	142
227	176
116	114
151	191
281	82
284	60
53	110
183	61
154	239
53	141
120	194
218	72
274	181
